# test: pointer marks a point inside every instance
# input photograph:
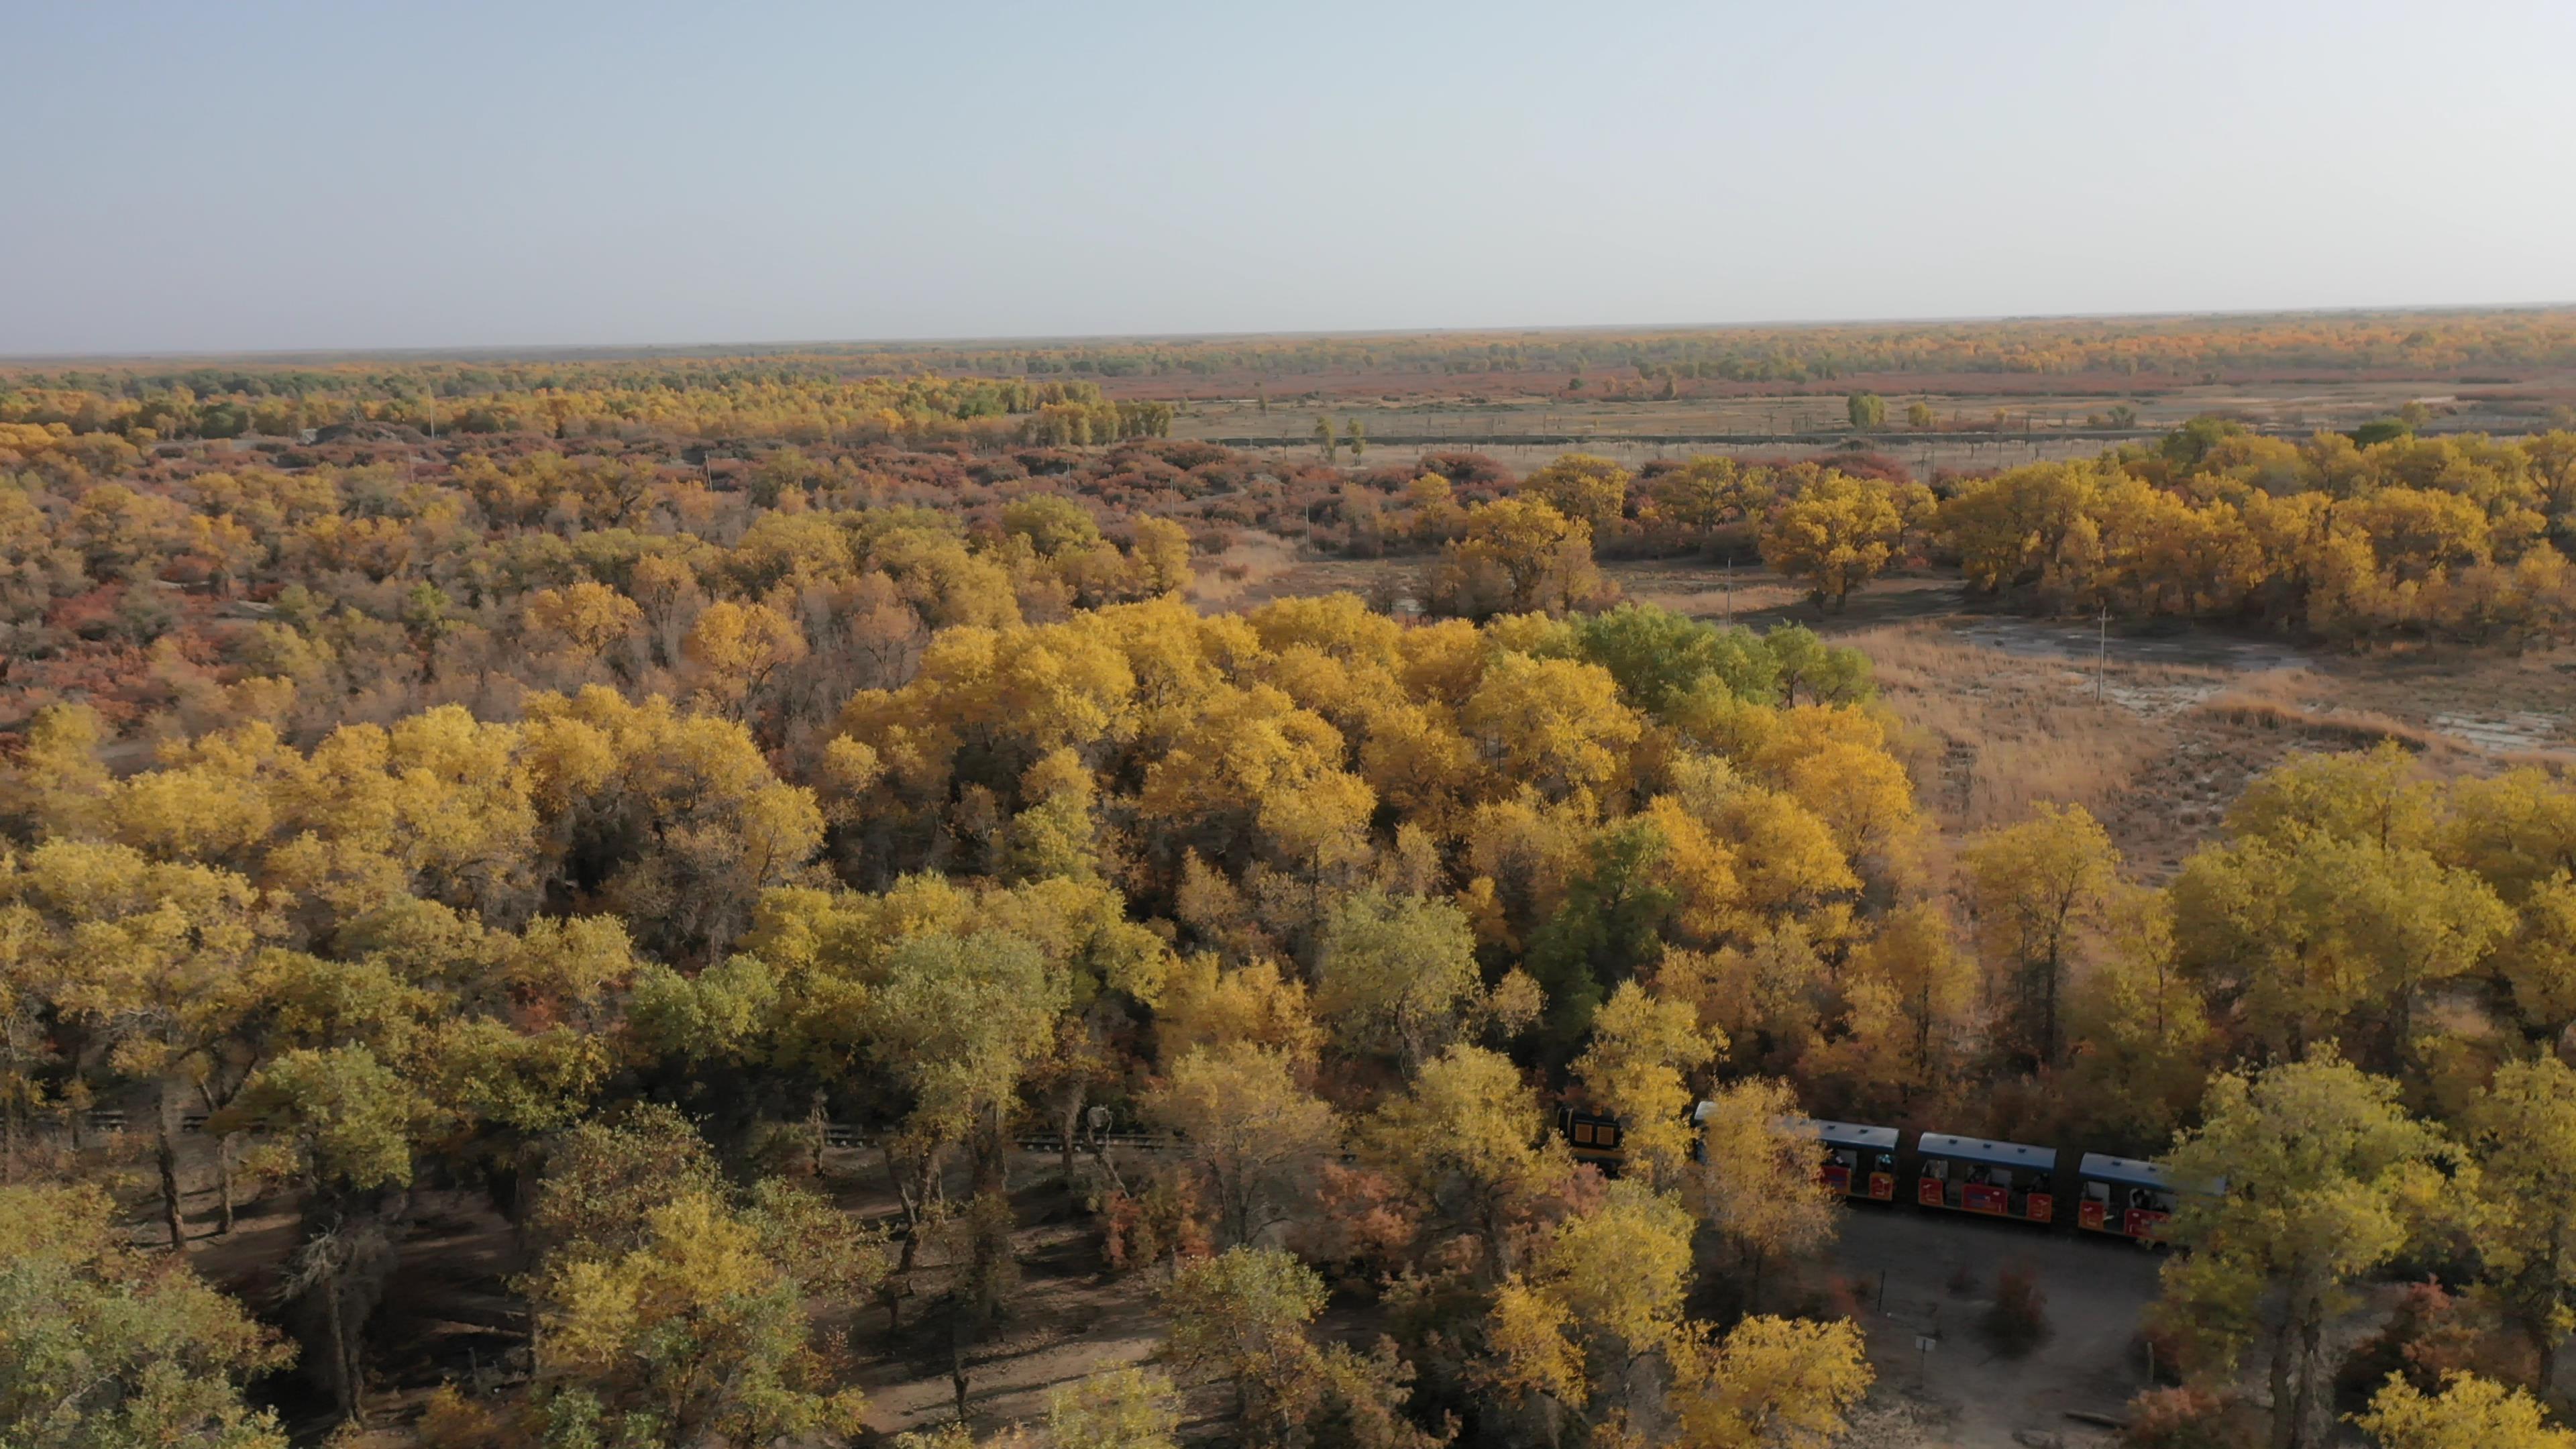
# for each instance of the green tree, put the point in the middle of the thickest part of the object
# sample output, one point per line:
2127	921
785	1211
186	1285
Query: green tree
956	1022
2522	1135
1395	973
1660	657
1468	1139
101	1348
352	1122
1242	1317
2298	1182
1868	411
1804	664
1251	1130
1609	927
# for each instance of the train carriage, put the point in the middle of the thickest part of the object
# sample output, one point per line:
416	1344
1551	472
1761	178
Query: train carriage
2123	1197
1858	1161
1997	1179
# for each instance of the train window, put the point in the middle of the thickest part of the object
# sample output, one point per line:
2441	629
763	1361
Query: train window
1884	1162
1583	1133
2097	1192
1937	1168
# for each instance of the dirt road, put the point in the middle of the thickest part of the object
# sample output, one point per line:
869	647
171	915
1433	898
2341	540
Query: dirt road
1939	1271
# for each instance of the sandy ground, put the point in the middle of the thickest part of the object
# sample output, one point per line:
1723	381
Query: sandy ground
1963	1393
1608	413
1070	1318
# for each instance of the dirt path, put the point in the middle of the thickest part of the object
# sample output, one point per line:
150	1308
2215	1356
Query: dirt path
1939	1273
1069	1319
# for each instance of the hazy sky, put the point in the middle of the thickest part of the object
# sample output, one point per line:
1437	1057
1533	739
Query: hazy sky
244	175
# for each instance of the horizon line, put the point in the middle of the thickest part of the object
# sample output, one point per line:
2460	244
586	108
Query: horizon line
477	351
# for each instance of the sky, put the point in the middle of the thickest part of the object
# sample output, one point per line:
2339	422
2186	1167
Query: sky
247	176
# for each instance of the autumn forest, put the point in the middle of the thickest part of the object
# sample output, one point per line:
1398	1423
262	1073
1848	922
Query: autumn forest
855	895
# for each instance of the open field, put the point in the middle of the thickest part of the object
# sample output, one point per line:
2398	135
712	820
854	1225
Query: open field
1980	420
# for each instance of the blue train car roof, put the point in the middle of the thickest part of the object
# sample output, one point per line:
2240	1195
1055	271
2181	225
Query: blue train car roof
1847	1134
1978	1149
2123	1169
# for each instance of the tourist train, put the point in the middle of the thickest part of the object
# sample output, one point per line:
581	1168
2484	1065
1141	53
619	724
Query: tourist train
2115	1196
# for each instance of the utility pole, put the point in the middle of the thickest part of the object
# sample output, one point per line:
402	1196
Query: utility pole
2101	650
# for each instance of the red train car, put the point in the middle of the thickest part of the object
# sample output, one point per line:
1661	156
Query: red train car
2123	1197
1858	1160
1997	1179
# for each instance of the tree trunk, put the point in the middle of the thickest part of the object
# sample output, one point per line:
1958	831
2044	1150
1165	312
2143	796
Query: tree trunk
224	1184
992	1154
2543	1330
822	1125
344	1379
2284	1422
1498	1252
2048	1027
2311	1334
912	1198
2401	1031
1064	1139
165	1156
2294	1357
